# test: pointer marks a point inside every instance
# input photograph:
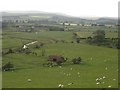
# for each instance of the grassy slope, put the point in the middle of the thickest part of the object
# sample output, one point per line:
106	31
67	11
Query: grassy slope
51	77
30	66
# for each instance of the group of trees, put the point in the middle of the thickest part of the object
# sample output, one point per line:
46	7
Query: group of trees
56	28
76	37
99	39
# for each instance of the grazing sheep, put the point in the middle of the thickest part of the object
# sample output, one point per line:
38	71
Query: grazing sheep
60	86
60	66
109	86
98	83
70	84
114	79
104	77
100	78
97	79
29	80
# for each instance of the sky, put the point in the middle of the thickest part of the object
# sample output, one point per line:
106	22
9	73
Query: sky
78	8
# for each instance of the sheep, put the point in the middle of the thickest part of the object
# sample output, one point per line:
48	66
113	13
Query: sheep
98	83
114	79
70	84
29	80
103	77
100	78
60	86
109	86
97	79
60	66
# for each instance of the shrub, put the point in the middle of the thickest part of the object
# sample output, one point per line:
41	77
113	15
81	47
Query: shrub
8	66
72	41
77	60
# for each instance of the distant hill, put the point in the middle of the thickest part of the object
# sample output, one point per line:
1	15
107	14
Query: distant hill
58	17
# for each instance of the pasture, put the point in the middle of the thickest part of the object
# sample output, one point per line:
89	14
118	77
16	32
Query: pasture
97	62
88	34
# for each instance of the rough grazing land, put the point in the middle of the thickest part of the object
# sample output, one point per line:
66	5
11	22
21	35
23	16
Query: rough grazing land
97	62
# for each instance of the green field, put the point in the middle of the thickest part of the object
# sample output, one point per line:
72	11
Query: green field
88	34
96	62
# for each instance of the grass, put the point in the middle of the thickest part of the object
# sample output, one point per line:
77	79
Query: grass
95	60
88	34
31	67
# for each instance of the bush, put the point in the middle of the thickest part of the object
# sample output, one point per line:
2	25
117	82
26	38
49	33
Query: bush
77	60
78	40
72	41
8	66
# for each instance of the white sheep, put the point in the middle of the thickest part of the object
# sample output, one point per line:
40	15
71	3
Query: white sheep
60	86
100	78
109	86
114	79
97	79
29	80
104	77
98	83
70	84
24	47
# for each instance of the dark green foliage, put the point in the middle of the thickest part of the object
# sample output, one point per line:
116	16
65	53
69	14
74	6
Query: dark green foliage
39	45
43	52
10	51
72	41
8	66
77	60
99	36
74	35
27	51
78	40
56	29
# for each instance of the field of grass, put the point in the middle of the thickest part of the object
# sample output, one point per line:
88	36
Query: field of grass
96	63
41	16
91	28
88	34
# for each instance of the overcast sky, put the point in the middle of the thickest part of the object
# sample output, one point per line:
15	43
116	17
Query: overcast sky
91	8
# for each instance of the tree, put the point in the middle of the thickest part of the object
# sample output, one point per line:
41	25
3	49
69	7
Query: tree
99	36
78	40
